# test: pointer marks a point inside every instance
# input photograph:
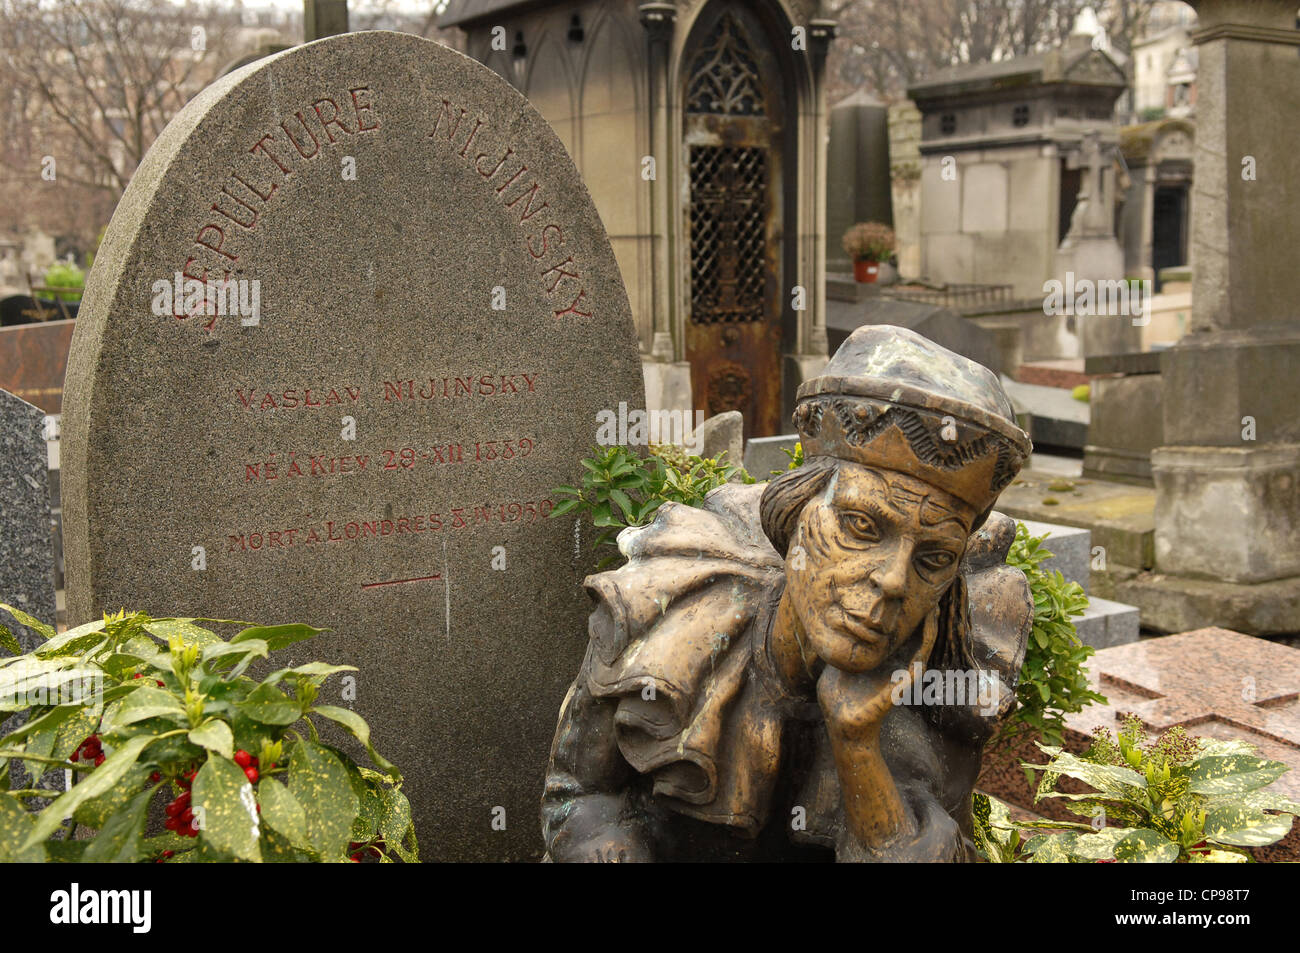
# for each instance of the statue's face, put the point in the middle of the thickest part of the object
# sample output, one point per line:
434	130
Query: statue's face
871	559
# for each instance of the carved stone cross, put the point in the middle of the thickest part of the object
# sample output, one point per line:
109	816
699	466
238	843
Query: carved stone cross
1091	216
1214	682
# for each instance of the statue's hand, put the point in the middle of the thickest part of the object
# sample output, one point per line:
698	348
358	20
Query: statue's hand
856	703
598	830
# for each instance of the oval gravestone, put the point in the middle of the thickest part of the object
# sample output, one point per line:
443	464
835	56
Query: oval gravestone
423	318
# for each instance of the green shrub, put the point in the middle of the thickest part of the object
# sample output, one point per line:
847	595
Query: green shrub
1180	799
1053	678
620	489
150	710
66	275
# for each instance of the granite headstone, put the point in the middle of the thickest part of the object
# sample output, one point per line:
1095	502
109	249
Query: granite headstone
369	443
26	540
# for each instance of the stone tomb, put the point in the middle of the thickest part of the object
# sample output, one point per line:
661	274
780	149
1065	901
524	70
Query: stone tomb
370	442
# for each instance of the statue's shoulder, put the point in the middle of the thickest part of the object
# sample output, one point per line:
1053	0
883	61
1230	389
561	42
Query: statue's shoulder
1001	608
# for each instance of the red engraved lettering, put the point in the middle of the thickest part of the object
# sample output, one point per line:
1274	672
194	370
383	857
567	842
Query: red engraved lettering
269	192
221	237
559	240
261	144
358	108
528	211
560	274
325	123
478	163
574	309
511	181
315	143
452	125
252	212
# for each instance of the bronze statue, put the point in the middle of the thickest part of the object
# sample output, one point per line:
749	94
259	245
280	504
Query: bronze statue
808	669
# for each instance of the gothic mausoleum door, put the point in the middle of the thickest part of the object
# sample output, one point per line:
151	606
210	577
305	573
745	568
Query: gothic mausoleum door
733	153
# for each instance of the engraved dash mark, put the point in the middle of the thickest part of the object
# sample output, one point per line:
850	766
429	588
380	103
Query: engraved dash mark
398	582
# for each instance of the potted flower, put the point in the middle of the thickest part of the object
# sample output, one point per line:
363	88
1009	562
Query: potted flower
868	244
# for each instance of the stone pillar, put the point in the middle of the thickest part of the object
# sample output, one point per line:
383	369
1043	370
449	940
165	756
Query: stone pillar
659	20
820	34
322	18
667	373
1228	480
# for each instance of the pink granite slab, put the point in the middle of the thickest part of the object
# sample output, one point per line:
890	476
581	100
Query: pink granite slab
1214	682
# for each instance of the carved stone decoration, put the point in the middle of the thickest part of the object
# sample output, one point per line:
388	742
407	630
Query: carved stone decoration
724	76
808	669
729	388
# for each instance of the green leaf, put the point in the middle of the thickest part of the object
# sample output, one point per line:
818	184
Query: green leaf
118	840
564	506
97	782
1143	846
1217	857
183	629
1107	778
9	641
277	637
282	812
215	735
33	623
226	809
268	705
395	824
148	702
319	782
1244	827
358	728
1099	845
15	827
97	811
1233	773
254	647
74	641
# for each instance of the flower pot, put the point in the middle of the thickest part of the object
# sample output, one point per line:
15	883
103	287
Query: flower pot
865	271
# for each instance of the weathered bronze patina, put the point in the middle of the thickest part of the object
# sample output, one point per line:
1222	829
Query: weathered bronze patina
808	669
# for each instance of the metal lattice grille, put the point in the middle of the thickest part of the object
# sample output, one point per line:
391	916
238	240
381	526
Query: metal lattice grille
724	74
728	233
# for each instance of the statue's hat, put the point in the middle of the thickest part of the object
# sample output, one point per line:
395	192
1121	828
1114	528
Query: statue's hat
893	399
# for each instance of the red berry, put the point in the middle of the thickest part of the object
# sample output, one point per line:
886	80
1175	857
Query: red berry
99	759
169	853
171	823
274	765
155	778
356	858
251	774
259	809
159	681
138	675
243	758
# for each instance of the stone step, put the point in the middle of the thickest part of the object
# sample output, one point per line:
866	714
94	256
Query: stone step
1052	417
1105	623
1071	549
1120	516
